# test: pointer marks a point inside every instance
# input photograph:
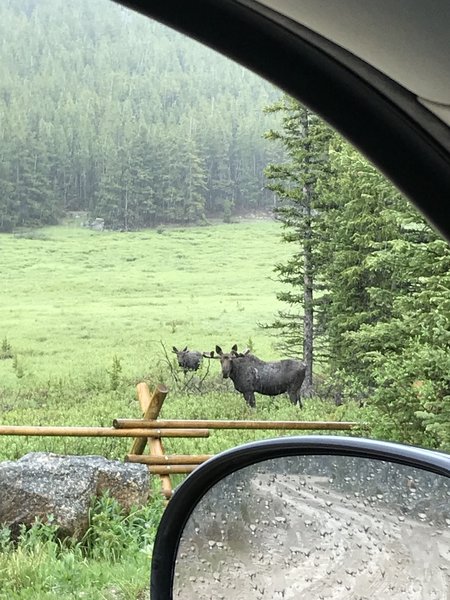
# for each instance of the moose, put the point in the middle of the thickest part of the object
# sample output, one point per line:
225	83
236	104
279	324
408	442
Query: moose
188	360
250	374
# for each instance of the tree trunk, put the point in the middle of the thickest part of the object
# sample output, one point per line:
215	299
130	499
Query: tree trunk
308	280
308	272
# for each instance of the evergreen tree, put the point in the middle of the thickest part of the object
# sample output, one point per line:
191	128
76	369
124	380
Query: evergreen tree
362	217
387	302
305	139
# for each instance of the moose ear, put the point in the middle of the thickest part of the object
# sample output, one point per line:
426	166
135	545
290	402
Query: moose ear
219	350
185	348
234	348
174	349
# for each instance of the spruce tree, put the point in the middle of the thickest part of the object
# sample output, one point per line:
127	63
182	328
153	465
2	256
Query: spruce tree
386	306
305	139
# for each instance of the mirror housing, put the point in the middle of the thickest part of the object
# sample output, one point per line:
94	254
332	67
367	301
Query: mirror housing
370	482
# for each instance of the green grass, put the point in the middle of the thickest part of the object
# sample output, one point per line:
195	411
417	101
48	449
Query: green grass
83	315
72	298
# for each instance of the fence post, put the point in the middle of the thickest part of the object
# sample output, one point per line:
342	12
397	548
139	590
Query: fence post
151	406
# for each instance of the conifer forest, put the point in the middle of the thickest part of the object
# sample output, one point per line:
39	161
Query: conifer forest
106	112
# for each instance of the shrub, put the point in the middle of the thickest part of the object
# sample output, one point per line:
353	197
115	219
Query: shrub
115	373
112	534
6	349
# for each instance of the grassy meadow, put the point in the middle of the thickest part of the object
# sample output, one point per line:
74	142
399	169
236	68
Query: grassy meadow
71	298
85	314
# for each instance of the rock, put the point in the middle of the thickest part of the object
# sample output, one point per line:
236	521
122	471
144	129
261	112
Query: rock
97	224
42	483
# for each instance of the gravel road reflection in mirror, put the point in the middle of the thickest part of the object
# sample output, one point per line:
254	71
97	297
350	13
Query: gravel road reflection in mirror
319	528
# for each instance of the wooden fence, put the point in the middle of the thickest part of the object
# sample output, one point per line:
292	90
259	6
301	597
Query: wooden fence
166	465
149	430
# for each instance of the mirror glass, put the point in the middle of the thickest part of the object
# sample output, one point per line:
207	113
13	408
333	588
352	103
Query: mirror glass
319	527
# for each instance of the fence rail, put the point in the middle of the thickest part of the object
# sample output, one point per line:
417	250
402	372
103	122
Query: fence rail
168	459
143	432
125	424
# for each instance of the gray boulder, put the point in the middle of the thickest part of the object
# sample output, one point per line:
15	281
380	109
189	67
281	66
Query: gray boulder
42	483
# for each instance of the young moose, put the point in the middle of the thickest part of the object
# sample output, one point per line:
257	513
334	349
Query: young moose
188	360
250	374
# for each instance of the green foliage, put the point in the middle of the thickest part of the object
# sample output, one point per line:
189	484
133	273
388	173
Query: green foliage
227	211
387	303
6	349
382	311
111	561
113	535
17	367
306	140
41	532
413	393
115	373
364	217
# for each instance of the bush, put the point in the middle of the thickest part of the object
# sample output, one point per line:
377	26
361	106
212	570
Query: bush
6	350
112	535
116	548
228	206
115	373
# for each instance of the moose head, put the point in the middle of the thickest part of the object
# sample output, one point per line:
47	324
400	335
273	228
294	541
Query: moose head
227	358
174	349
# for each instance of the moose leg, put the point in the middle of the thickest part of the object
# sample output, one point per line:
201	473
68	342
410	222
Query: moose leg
294	397
250	399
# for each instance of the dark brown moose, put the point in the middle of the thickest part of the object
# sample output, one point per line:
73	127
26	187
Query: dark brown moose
250	374
188	360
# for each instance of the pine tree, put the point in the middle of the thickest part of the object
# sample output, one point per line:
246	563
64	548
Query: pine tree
363	217
387	302
76	84
305	139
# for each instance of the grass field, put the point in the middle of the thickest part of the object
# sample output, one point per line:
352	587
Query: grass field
72	300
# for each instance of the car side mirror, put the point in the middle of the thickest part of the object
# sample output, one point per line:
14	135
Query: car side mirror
313	517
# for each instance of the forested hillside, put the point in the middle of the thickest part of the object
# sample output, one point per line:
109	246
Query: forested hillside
105	111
